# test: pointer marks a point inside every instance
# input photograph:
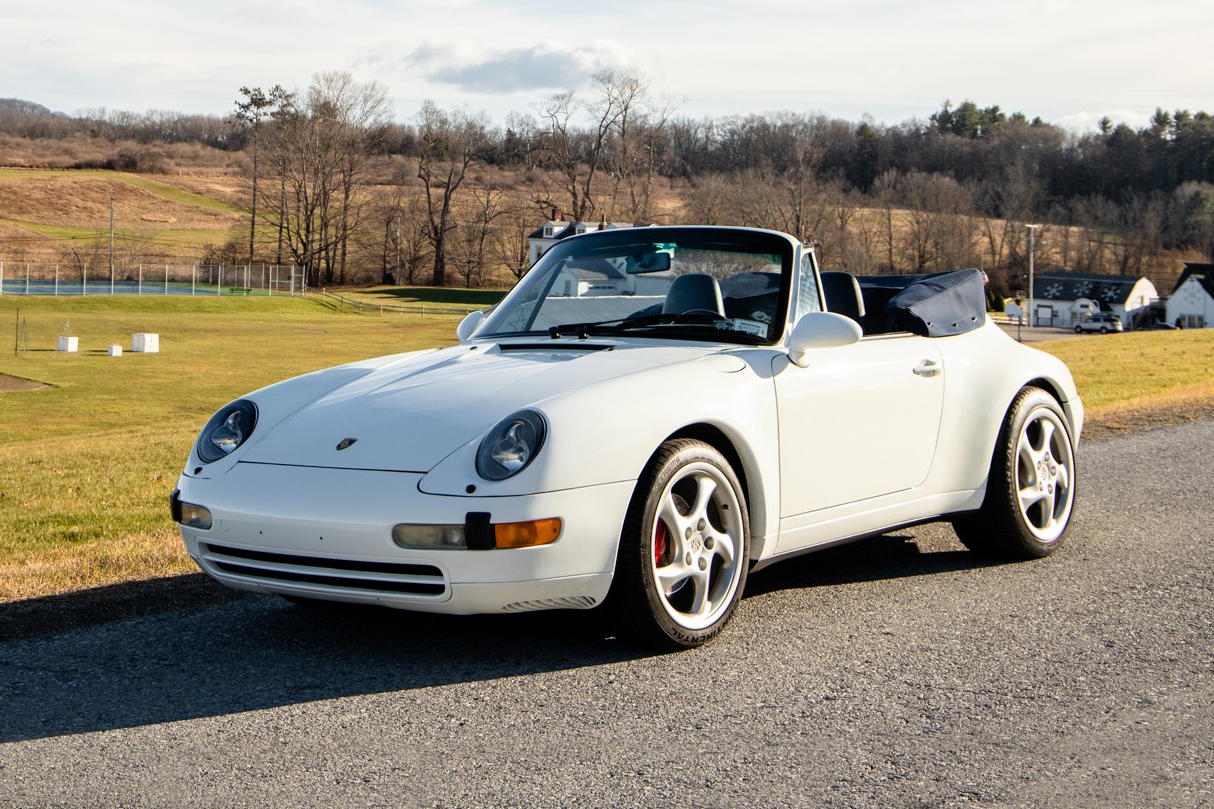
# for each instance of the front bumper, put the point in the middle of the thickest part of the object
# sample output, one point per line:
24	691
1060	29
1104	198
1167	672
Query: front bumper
327	534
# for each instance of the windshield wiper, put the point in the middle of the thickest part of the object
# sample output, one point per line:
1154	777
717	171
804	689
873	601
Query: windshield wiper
621	324
582	329
685	320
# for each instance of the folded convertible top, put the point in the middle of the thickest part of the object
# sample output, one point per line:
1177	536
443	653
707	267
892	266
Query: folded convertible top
933	305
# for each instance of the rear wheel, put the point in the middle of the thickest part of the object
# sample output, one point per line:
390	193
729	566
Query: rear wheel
684	550
1031	490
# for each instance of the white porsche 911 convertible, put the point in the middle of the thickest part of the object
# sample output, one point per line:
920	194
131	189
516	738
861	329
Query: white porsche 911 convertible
647	417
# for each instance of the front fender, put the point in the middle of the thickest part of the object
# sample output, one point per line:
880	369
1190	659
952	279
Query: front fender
606	432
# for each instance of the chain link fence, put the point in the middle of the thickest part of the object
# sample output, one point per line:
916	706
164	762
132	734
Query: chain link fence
151	279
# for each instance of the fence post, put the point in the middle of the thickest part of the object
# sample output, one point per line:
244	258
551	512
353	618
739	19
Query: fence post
193	278
140	279
166	279
1	277
56	280
27	279
219	285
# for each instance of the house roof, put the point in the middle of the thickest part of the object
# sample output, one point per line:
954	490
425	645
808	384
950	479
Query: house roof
595	270
571	228
1204	273
1071	286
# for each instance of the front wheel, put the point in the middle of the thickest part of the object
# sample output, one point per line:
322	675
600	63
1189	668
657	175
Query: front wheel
1030	493
684	550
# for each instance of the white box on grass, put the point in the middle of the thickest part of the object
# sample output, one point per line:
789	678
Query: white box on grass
145	342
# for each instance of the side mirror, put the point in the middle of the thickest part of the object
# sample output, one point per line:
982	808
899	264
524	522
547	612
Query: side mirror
821	330
469	325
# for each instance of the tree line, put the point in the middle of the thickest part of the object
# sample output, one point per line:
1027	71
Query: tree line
348	193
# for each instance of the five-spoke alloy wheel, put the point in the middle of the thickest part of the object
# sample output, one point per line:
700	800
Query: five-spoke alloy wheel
1031	490
685	547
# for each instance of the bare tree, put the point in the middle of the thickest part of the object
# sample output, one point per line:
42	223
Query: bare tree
449	143
939	232
511	248
579	154
469	247
634	143
403	215
256	107
320	153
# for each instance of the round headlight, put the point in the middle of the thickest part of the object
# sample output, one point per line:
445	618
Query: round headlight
511	445
227	430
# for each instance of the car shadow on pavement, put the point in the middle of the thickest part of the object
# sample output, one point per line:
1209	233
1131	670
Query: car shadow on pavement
147	653
156	652
891	556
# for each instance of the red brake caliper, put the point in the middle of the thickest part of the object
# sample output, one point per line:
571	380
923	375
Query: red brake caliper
661	539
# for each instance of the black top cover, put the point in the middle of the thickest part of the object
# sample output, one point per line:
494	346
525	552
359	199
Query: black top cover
934	305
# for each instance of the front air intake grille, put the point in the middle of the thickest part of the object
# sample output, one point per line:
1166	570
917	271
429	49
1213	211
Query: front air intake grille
335	575
567	603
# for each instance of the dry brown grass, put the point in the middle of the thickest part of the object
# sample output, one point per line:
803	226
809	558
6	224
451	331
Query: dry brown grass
94	564
82	150
69	200
1174	406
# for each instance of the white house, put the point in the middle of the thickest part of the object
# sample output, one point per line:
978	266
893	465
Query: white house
552	231
1191	304
1063	298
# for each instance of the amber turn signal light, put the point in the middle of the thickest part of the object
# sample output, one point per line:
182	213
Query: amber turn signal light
527	534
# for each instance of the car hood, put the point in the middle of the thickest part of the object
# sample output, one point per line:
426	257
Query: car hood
410	412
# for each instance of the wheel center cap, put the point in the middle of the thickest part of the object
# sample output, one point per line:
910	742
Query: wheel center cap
695	544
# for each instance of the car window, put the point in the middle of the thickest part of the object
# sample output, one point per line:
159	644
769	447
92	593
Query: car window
719	285
807	292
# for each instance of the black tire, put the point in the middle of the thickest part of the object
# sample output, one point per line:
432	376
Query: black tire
1030	494
1079	330
1104	329
684	551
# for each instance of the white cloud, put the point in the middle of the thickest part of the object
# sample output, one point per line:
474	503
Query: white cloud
545	66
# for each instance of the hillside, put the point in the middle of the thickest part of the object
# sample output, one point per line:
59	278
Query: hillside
193	209
163	216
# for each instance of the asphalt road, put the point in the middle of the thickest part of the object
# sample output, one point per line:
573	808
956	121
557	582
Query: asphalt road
900	672
1036	334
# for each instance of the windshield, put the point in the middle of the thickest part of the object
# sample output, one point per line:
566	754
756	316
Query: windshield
718	285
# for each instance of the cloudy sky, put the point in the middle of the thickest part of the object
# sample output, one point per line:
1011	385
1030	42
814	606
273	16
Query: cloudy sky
1069	61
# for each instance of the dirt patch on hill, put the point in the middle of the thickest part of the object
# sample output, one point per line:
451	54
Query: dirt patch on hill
13	384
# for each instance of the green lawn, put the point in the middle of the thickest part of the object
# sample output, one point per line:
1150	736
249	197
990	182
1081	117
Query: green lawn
1119	370
87	465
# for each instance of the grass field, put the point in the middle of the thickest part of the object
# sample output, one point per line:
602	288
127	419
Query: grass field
86	465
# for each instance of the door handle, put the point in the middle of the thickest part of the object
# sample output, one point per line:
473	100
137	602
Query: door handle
928	368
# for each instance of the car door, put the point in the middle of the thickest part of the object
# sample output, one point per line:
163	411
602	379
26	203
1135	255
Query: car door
859	422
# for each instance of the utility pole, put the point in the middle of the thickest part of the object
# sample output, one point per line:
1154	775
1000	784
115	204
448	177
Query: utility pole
111	245
1032	248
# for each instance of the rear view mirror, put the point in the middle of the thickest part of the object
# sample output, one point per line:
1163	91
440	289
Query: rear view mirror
648	262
